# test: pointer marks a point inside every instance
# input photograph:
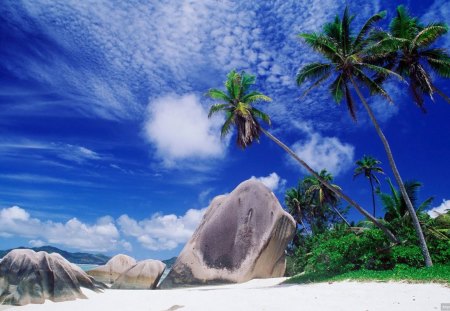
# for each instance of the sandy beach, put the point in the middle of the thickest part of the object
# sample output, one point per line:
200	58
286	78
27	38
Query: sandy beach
264	294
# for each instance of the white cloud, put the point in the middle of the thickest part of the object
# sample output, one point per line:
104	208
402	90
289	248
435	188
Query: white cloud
161	232
439	210
180	130
323	152
36	243
272	181
101	236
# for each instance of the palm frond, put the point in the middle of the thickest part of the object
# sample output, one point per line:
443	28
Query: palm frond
367	27
226	127
216	108
263	116
218	94
255	96
313	71
439	61
373	87
429	34
403	25
229	82
321	44
337	88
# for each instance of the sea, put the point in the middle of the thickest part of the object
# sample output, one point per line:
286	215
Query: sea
86	267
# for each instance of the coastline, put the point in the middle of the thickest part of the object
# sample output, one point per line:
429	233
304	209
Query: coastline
264	294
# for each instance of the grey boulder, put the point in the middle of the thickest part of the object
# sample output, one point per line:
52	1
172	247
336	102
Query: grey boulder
113	269
144	275
30	277
242	236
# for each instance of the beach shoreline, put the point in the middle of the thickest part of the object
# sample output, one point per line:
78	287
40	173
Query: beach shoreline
264	294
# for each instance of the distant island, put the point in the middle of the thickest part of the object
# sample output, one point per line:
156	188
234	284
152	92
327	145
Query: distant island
78	258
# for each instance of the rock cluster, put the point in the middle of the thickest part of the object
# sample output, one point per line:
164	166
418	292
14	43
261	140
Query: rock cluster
30	277
113	269
144	275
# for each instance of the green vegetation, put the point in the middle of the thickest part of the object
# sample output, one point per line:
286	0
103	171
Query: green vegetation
363	250
435	274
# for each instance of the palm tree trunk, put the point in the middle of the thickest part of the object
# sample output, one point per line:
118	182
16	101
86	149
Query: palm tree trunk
442	94
373	195
412	212
340	215
338	192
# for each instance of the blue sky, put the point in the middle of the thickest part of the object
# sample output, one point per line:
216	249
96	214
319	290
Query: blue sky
105	143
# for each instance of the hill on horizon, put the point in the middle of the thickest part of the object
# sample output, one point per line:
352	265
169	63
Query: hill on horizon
77	258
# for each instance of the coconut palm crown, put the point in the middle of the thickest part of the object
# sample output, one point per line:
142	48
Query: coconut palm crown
409	45
368	166
237	103
347	60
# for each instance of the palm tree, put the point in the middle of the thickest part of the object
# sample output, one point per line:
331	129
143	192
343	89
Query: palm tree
368	166
350	65
237	103
407	47
297	201
324	196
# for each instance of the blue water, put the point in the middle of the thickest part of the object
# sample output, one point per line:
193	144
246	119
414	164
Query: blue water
86	267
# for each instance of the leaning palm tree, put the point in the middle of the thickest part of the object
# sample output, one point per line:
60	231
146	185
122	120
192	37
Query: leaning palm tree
368	166
351	66
408	47
237	103
325	196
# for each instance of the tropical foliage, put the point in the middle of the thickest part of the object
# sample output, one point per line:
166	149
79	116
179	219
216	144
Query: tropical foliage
351	61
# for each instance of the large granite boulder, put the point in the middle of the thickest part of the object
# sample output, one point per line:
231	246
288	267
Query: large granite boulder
113	269
243	235
30	277
144	275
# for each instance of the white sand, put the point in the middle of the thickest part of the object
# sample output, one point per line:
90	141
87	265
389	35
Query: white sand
264	295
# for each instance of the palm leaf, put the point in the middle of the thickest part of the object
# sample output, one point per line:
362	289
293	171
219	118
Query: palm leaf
366	28
429	34
255	96
226	127
216	108
373	87
313	71
218	94
337	88
263	116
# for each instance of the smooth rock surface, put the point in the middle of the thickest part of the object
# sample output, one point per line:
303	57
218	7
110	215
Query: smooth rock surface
144	275
113	269
30	277
243	235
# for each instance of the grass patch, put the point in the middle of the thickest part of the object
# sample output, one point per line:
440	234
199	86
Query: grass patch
435	274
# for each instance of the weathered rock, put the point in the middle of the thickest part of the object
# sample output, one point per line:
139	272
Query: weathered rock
144	275
30	277
113	269
242	236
